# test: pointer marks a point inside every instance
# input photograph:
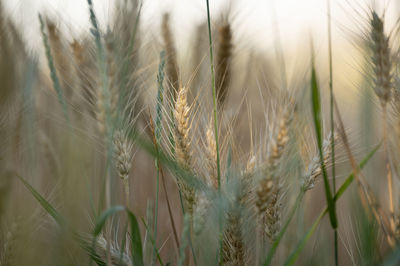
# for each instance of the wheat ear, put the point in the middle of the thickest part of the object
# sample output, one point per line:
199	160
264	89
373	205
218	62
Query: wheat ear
268	194
182	145
211	156
123	151
381	60
172	65
224	55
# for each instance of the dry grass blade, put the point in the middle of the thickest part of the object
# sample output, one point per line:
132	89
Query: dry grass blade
364	190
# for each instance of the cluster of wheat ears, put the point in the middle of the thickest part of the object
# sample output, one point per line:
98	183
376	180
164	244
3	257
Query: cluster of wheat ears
99	119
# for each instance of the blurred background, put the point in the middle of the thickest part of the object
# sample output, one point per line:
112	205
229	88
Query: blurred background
262	31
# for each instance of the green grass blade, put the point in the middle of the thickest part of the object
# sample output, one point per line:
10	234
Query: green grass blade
293	257
136	242
152	242
44	203
157	135
317	115
61	221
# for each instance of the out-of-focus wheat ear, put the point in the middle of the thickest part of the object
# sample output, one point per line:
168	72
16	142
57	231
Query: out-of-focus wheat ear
123	157
234	247
381	58
101	112
182	146
224	57
246	181
9	245
117	257
171	57
84	76
111	73
200	214
211	151
269	191
382	64
52	68
62	61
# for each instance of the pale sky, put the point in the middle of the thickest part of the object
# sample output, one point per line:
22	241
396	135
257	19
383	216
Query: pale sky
252	17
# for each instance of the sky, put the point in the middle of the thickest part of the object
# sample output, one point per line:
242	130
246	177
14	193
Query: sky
254	19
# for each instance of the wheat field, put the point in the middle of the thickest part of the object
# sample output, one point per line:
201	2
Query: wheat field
122	146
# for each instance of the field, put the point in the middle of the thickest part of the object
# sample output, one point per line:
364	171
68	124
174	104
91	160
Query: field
121	146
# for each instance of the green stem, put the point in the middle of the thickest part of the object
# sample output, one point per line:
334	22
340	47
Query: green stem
214	94
332	120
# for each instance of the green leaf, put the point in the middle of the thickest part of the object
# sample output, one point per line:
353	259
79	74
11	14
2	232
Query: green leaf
44	203
136	242
60	221
316	108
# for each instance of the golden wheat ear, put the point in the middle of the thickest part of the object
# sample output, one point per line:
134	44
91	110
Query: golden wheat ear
183	145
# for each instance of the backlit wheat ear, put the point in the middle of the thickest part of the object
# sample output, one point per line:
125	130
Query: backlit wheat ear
381	59
172	65
123	157
211	156
224	54
382	64
182	145
314	168
268	194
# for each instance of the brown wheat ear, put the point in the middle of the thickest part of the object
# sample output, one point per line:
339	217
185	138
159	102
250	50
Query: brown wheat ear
224	55
381	59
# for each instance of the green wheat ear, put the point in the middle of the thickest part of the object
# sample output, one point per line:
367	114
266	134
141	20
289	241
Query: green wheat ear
53	72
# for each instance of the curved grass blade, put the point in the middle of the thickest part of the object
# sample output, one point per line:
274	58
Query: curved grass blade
61	221
136	242
317	115
293	257
44	203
